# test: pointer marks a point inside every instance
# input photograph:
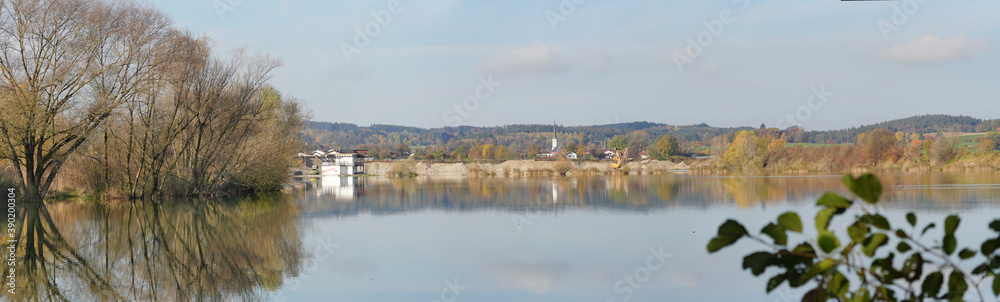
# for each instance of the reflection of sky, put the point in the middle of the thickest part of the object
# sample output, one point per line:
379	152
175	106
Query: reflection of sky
578	255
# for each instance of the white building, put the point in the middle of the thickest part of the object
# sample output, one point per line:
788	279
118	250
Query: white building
337	163
572	155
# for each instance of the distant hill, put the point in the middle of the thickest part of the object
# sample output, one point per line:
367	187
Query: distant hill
346	135
923	124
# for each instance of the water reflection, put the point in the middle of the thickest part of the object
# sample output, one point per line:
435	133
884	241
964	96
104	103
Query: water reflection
577	238
174	251
927	192
580	235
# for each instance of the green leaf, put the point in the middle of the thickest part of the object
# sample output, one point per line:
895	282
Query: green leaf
927	228
861	295
858	231
834	200
902	234
877	221
951	224
776	232
818	268
828	242
932	284
823	218
804	248
718	243
980	269
729	232
873	243
956	285
966	254
988	247
838	284
911	218
867	187
790	221
996	285
949	244
815	295
903	247
757	262
774	282
995	225
731	228
913	267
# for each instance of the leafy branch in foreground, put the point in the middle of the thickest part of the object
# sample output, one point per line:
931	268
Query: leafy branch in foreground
859	267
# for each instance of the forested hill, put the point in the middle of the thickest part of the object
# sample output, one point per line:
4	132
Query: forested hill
345	135
923	124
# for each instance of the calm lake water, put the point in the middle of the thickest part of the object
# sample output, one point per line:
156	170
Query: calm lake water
613	238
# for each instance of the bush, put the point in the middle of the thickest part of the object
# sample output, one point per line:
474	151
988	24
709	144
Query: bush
404	168
562	167
259	180
832	264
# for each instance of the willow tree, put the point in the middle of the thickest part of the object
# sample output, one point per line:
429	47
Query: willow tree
66	65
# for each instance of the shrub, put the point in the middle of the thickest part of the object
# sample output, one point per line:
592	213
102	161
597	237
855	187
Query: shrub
562	167
403	168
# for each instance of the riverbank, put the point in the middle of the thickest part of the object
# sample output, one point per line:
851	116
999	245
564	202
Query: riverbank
969	162
702	166
516	168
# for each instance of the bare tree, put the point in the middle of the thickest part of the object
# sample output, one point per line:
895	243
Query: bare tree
142	135
66	65
228	108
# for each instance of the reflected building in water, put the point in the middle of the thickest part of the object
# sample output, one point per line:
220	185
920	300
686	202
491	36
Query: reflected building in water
340	188
380	195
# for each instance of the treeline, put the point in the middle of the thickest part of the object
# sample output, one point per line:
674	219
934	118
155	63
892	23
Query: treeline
918	124
876	150
521	139
110	97
518	140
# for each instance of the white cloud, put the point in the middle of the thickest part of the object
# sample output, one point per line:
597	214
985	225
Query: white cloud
931	49
533	58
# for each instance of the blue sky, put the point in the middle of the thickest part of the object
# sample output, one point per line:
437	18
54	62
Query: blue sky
617	61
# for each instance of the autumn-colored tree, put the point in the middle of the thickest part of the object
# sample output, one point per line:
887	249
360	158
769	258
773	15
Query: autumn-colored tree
776	145
476	152
581	149
500	152
944	150
744	154
987	145
532	150
878	144
990	142
489	151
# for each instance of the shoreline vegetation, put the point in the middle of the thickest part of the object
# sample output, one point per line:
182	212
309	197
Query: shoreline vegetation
924	143
749	152
973	162
109	100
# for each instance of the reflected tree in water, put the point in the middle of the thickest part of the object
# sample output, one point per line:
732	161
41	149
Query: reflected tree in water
173	251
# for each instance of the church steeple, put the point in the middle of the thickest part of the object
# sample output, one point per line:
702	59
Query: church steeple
555	143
